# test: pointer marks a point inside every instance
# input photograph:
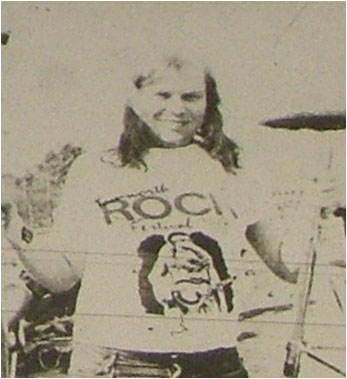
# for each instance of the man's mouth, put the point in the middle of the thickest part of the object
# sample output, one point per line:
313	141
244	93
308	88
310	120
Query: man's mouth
179	121
176	122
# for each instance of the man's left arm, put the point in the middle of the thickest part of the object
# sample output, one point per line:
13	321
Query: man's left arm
265	238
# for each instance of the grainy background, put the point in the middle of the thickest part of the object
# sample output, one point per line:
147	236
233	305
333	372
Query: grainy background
67	66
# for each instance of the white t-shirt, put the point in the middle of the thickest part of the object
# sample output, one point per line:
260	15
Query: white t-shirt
162	249
166	268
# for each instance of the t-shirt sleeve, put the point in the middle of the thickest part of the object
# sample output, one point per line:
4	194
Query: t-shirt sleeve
60	251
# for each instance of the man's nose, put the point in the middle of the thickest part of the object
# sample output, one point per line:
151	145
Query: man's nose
176	107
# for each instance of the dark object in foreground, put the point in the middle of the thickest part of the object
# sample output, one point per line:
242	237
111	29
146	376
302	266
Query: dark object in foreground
341	212
221	362
291	367
47	329
259	311
5	36
318	122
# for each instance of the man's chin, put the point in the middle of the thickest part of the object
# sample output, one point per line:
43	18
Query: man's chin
175	142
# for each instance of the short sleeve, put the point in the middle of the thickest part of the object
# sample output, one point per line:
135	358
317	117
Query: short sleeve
73	228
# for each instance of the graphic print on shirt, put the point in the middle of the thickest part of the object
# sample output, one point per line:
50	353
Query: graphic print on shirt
176	234
183	271
150	209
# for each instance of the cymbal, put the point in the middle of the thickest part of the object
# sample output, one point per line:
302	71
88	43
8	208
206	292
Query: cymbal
317	122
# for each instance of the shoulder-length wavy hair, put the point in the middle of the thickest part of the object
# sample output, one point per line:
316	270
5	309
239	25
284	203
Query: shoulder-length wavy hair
137	137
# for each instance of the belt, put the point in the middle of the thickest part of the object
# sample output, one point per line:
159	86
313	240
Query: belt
214	363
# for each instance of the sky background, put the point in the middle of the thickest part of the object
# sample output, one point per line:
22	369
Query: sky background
67	67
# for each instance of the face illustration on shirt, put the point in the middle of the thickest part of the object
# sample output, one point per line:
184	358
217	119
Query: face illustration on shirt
184	277
172	105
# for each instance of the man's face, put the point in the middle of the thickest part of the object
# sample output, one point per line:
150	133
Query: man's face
173	106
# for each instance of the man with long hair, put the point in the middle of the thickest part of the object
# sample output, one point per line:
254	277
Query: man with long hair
207	131
155	228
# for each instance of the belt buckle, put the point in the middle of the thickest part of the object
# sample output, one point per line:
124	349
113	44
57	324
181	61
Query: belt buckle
175	370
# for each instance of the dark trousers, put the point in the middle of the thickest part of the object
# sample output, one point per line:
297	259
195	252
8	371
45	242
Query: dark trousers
218	363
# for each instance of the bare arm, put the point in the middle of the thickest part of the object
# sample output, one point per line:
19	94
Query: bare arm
52	256
268	244
53	269
283	232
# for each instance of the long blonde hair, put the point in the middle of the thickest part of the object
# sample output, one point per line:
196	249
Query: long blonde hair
137	138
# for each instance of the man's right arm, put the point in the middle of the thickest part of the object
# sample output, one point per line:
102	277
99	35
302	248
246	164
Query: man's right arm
56	257
51	267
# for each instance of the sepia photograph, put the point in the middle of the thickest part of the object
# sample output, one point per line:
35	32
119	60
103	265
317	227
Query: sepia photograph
173	189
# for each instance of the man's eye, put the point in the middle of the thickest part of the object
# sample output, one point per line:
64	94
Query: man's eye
192	97
164	95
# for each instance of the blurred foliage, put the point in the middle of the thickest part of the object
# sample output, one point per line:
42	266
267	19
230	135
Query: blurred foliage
41	189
